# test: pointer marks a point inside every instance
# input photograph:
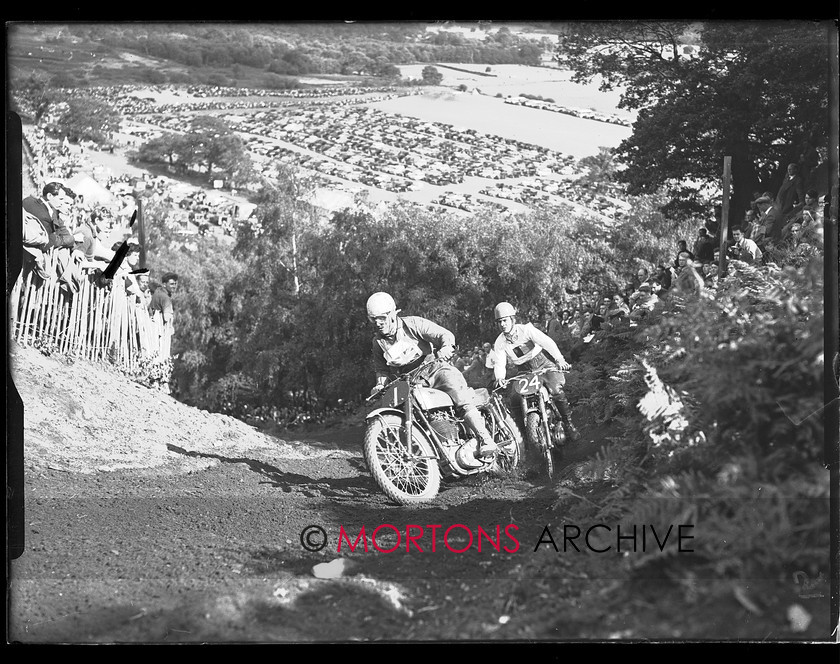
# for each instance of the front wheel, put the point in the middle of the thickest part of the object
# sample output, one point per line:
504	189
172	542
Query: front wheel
535	433
404	478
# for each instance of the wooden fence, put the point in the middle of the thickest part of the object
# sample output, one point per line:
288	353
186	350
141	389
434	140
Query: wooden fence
97	323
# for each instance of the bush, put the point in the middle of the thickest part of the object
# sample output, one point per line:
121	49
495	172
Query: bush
717	402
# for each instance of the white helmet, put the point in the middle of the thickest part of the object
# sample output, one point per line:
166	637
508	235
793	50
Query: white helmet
380	304
503	310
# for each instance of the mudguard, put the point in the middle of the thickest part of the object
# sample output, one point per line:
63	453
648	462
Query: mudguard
384	411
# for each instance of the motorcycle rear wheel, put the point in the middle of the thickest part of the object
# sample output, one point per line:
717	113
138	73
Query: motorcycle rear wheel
403	479
535	433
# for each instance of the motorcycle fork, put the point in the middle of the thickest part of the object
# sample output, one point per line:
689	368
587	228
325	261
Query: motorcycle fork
544	416
408	443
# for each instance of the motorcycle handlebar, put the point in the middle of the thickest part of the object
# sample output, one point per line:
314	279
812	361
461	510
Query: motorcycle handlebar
406	376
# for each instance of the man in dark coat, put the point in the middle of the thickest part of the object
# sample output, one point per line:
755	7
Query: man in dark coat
792	191
704	246
45	209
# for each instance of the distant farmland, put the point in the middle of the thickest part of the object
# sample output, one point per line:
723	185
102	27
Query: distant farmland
490	115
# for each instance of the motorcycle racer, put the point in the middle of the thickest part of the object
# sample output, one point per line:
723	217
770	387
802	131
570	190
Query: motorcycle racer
402	343
529	349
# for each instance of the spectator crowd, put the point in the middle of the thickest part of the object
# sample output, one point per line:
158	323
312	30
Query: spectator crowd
81	275
785	229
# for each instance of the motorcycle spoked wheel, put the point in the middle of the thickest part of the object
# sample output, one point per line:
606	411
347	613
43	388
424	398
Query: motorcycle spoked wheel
404	480
535	433
509	439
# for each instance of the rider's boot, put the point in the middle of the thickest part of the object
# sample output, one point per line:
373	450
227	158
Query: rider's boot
487	447
566	415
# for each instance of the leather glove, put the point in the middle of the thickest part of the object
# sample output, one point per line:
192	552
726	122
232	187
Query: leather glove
446	352
376	390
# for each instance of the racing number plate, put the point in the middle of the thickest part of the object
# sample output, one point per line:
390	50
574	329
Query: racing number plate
527	384
395	394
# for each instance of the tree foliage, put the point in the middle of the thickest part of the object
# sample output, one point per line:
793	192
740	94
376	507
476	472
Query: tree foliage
431	75
210	146
82	118
755	91
302	272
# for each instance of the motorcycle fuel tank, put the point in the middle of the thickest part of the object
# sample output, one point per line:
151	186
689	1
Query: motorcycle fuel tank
430	398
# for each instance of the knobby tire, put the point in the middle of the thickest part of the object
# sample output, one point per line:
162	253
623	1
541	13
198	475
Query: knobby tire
405	481
536	438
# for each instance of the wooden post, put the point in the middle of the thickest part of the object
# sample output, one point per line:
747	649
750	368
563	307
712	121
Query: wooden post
55	304
20	328
70	334
724	222
35	307
14	303
141	228
81	328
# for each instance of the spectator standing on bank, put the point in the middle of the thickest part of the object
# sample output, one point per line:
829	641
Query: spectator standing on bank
161	302
792	191
163	315
144	292
554	328
45	208
87	237
704	246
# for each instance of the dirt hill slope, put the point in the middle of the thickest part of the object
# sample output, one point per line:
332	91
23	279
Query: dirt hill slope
86	418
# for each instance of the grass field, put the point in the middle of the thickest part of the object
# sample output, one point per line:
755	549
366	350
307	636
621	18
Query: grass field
490	115
546	82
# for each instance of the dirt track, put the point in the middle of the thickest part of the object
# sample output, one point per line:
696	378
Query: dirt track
147	520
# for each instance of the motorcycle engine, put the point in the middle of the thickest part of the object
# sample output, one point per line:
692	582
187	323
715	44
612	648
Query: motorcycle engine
445	426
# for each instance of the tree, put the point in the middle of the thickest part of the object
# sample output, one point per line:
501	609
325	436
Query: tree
600	169
233	160
431	75
212	139
387	70
85	118
167	148
757	92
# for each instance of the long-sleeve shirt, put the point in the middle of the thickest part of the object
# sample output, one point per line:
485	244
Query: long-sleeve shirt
414	339
747	251
524	344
